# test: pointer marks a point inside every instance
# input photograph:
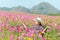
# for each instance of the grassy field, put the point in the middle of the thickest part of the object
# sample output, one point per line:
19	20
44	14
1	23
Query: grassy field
11	27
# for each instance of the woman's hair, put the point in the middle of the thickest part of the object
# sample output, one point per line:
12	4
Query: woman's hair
39	23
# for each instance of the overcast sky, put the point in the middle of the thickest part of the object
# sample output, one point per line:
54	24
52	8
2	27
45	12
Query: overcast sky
27	3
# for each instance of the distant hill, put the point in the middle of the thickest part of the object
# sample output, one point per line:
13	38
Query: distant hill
16	9
4	9
44	8
19	9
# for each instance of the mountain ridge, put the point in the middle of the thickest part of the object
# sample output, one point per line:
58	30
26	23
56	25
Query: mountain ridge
42	8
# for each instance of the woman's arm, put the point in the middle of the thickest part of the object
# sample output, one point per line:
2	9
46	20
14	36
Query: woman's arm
45	29
24	25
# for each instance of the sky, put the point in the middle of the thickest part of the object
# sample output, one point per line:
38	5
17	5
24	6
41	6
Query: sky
28	3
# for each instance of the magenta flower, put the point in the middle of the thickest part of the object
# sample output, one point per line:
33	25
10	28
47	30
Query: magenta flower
1	35
43	38
12	28
1	25
40	36
24	34
57	27
18	38
27	29
30	33
11	37
18	29
6	26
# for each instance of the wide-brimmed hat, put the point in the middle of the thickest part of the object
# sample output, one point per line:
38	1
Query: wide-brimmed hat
37	19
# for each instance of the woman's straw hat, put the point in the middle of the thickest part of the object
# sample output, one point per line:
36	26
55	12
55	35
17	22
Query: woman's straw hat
37	19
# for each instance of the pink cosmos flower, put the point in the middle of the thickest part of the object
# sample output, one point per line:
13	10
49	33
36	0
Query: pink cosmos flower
1	35
57	27
11	37
6	26
24	34
43	38
30	33
1	25
12	28
18	29
27	30
18	38
40	36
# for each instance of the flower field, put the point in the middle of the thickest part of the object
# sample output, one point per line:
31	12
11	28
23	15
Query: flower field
11	27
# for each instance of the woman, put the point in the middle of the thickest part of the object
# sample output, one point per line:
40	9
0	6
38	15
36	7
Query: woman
38	28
